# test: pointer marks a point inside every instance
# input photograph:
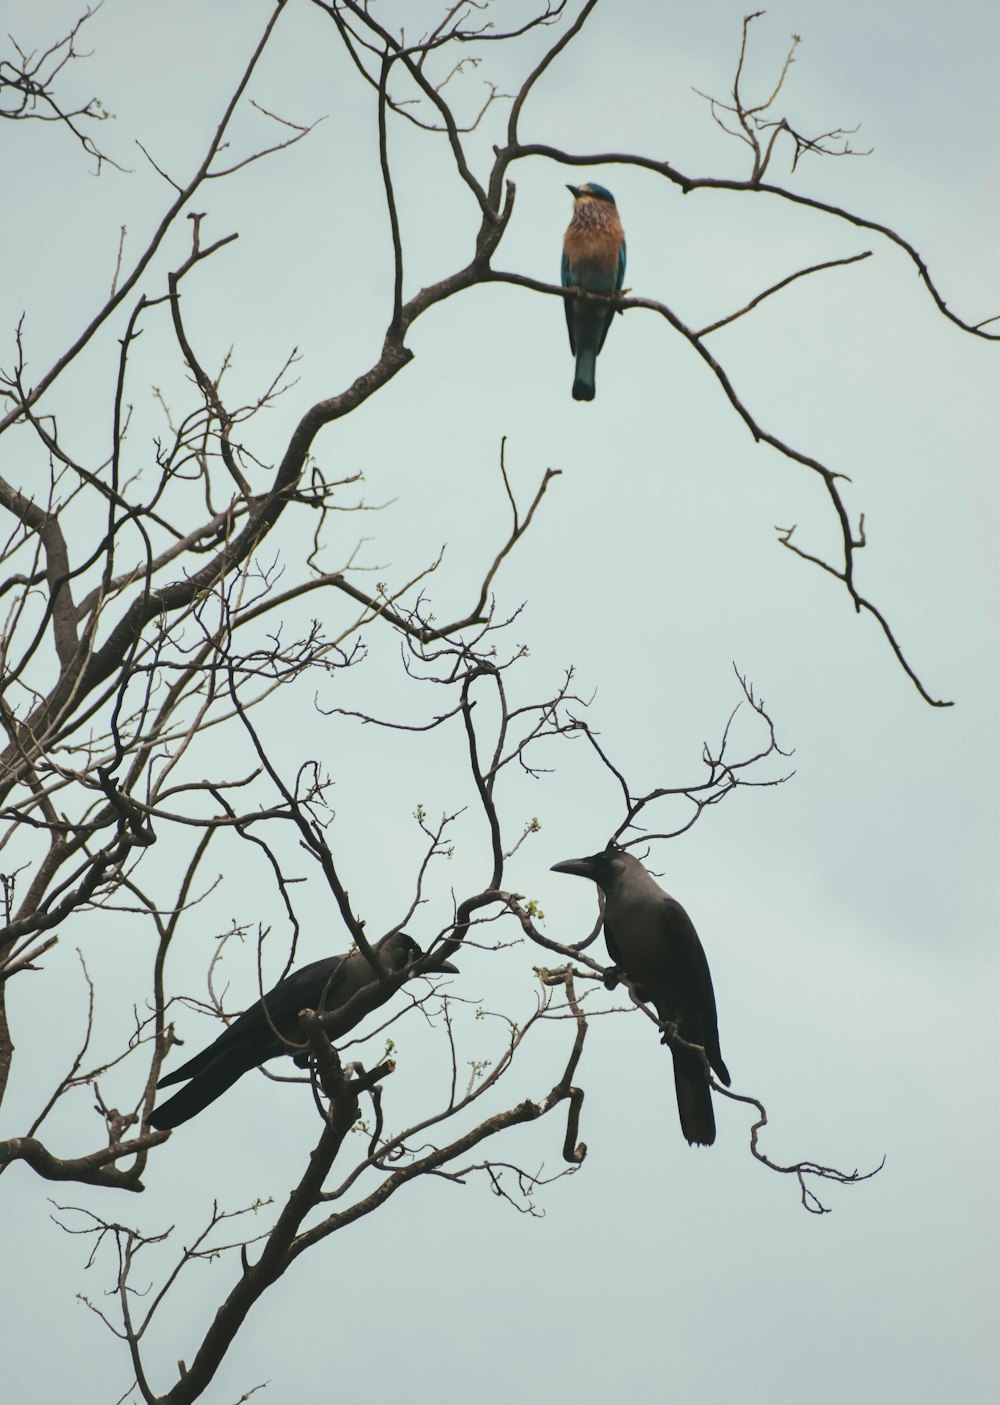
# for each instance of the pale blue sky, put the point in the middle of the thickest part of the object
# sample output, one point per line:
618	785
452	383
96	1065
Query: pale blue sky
850	916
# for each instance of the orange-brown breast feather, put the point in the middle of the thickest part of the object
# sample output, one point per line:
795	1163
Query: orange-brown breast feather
594	238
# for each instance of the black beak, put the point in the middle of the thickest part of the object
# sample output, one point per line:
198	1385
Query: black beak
441	968
580	868
574	190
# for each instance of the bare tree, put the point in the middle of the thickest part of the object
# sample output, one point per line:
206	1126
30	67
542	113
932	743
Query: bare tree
157	598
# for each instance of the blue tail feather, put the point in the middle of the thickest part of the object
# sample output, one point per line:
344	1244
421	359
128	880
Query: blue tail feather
584	387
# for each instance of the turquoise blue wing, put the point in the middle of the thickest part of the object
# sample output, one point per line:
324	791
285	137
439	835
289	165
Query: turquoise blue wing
567	282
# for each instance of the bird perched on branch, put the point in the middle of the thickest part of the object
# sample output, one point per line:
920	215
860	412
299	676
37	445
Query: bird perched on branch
267	1028
652	942
594	261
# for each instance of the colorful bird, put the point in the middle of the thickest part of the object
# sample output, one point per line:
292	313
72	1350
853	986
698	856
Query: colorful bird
594	260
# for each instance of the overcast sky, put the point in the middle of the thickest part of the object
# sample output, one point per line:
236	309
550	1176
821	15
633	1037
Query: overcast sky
850	916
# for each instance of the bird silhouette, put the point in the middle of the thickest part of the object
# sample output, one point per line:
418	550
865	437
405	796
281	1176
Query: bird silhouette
652	941
271	1025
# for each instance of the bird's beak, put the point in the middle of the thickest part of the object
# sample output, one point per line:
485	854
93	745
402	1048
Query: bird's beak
574	191
580	868
441	967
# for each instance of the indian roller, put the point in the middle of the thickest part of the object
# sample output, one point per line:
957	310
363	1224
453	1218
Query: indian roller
594	260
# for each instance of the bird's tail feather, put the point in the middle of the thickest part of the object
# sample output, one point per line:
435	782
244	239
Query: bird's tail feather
186	1071
694	1099
201	1091
584	387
